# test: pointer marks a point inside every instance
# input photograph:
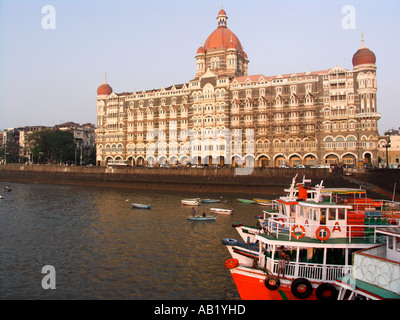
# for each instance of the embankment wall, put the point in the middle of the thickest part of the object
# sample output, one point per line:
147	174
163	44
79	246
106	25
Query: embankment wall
185	179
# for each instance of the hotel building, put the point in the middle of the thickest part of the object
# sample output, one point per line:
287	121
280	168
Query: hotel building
225	116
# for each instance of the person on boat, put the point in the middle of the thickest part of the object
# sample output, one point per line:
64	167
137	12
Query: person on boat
193	211
204	214
281	262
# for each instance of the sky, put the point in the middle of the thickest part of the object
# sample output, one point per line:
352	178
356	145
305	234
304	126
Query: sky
52	64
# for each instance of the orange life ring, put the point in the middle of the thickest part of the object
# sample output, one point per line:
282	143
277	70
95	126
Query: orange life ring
328	233
231	263
303	231
283	224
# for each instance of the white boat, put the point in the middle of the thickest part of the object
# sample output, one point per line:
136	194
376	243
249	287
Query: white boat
383	283
141	206
191	202
221	211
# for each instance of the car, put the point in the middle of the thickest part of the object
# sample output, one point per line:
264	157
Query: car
300	166
283	166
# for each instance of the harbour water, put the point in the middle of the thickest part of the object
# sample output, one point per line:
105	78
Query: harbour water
101	248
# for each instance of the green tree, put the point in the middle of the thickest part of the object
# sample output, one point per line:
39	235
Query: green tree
52	146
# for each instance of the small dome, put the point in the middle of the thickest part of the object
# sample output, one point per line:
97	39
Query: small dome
363	55
222	12
104	89
201	50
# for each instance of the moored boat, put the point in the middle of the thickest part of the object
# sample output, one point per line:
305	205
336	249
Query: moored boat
141	206
191	202
246	200
202	218
381	284
221	211
303	247
210	200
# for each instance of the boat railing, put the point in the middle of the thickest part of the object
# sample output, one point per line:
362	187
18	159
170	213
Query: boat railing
289	229
311	271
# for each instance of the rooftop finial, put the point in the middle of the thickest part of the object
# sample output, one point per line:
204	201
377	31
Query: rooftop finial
105	76
362	40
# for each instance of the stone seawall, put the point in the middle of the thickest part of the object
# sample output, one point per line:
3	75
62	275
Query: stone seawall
185	179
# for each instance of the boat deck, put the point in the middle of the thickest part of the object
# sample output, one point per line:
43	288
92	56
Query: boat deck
362	241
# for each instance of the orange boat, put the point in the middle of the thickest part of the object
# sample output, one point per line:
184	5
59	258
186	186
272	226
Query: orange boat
303	247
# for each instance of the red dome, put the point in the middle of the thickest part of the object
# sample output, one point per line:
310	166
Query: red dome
222	37
363	56
222	12
104	89
201	50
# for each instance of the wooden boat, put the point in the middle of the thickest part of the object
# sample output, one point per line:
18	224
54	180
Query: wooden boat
246	200
221	211
191	202
258	200
201	218
210	200
141	206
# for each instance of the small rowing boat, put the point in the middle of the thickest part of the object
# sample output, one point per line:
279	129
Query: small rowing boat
191	202
221	211
141	206
201	218
210	200
246	200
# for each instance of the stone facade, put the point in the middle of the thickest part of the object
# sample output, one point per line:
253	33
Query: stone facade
226	117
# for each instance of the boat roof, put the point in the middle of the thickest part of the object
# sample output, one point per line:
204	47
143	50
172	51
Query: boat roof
367	288
343	190
324	204
392	231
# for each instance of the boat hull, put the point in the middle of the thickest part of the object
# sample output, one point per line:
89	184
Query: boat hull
141	206
190	202
250	284
210	201
221	211
246	200
201	218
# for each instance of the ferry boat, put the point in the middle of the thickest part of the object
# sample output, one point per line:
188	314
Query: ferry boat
316	235
376	271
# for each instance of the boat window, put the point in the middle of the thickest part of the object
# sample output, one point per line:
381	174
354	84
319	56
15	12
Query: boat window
323	216
341	214
315	217
390	242
332	214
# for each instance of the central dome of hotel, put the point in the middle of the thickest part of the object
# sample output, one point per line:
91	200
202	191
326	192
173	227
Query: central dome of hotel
222	37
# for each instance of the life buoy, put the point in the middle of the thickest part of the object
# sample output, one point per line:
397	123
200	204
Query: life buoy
231	263
321	292
282	224
303	231
272	282
230	242
301	288
328	233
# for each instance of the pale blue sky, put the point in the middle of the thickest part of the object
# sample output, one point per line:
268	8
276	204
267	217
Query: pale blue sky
51	76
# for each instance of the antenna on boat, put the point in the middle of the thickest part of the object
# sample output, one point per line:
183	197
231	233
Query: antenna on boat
318	189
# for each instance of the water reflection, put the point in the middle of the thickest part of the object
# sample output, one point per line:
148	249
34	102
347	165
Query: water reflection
103	249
